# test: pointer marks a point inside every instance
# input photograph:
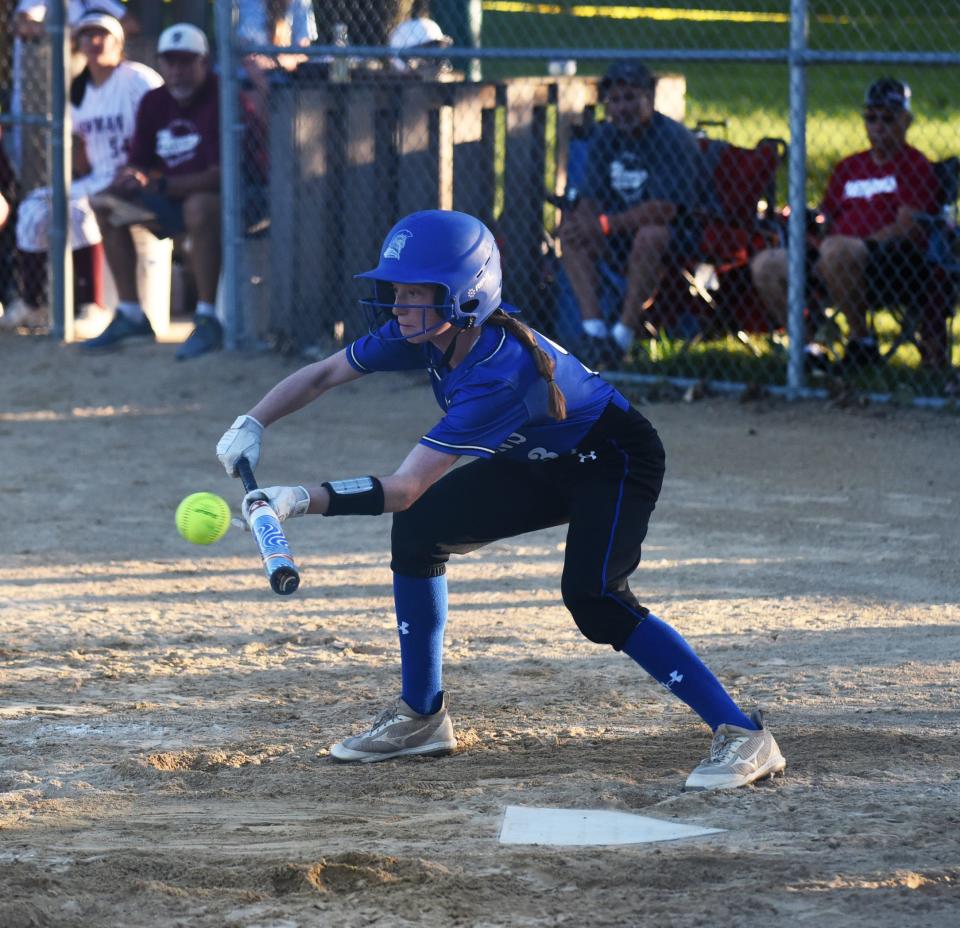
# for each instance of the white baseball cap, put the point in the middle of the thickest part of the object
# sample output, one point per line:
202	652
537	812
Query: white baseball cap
415	33
99	21
183	37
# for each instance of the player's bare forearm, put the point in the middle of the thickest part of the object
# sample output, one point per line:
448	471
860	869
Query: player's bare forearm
303	387
422	468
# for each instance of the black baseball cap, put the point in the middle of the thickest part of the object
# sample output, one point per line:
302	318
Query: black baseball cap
888	93
632	73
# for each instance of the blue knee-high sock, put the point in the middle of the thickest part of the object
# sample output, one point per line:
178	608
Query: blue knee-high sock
663	653
421	604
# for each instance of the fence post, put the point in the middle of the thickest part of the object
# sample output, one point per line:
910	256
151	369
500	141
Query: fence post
797	237
524	186
61	258
230	203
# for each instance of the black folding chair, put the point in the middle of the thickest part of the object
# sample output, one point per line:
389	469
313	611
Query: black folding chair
926	321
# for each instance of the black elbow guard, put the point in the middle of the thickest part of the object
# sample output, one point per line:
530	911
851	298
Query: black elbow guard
359	496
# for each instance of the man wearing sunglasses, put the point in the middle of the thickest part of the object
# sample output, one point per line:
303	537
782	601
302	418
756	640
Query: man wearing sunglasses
873	250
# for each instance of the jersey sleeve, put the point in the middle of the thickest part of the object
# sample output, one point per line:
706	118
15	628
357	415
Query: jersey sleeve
682	182
594	186
143	149
478	424
385	351
919	185
831	199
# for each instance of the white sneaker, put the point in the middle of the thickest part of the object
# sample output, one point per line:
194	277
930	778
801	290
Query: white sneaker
738	756
21	316
398	732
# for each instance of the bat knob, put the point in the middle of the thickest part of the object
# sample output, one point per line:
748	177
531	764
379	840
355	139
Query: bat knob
284	581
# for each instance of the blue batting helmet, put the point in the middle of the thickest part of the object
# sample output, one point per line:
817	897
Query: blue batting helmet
454	251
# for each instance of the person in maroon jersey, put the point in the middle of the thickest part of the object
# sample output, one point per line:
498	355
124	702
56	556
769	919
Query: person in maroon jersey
873	250
171	184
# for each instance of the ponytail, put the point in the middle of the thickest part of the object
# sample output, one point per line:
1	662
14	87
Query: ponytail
546	366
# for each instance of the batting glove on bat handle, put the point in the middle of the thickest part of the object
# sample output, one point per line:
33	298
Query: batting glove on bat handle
241	440
286	502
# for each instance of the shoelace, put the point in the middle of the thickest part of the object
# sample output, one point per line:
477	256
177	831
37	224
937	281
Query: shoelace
386	717
724	746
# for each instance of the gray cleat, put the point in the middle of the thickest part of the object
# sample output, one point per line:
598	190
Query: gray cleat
399	732
738	756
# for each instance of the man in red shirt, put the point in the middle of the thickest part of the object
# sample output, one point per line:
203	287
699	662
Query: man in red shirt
171	184
874	249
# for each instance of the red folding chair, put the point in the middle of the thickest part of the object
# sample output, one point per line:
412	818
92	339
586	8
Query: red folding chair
738	221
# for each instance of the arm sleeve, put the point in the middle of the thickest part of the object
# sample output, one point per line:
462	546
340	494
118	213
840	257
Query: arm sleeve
679	179
385	351
831	199
478	425
143	149
595	171
920	188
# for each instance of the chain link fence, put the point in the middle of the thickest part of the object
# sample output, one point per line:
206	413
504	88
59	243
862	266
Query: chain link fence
498	108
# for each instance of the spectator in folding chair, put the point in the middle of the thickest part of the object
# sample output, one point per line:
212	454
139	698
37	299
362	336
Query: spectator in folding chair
873	252
103	103
643	179
170	184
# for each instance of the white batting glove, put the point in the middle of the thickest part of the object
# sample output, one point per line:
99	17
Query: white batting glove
241	440
286	502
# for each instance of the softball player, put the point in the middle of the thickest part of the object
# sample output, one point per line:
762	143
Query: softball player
104	100
554	444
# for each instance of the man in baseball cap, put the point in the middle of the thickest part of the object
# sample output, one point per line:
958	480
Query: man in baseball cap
873	252
172	178
888	93
630	73
641	185
185	38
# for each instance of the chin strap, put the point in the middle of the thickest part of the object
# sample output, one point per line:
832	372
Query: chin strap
448	354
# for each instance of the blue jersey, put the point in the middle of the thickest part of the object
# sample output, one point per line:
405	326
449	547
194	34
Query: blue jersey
495	401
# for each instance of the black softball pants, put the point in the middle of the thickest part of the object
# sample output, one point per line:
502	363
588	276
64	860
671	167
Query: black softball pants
605	491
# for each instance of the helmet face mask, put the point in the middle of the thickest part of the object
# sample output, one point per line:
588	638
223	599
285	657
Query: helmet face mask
454	252
379	310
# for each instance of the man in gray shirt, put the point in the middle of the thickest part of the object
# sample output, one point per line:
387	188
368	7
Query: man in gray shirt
642	183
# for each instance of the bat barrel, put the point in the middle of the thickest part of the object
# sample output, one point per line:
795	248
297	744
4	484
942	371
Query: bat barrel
277	558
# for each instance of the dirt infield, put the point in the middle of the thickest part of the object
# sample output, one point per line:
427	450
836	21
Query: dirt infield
165	719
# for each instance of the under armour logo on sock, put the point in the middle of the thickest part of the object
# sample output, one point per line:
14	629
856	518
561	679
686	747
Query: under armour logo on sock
404	628
589	456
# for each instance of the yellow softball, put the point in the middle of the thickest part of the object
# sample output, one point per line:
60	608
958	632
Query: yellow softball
203	518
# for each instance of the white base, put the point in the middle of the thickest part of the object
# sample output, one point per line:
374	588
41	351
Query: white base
590	827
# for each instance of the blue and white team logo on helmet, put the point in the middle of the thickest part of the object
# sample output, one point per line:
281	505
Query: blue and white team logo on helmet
454	251
397	241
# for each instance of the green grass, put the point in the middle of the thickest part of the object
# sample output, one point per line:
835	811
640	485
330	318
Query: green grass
765	361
